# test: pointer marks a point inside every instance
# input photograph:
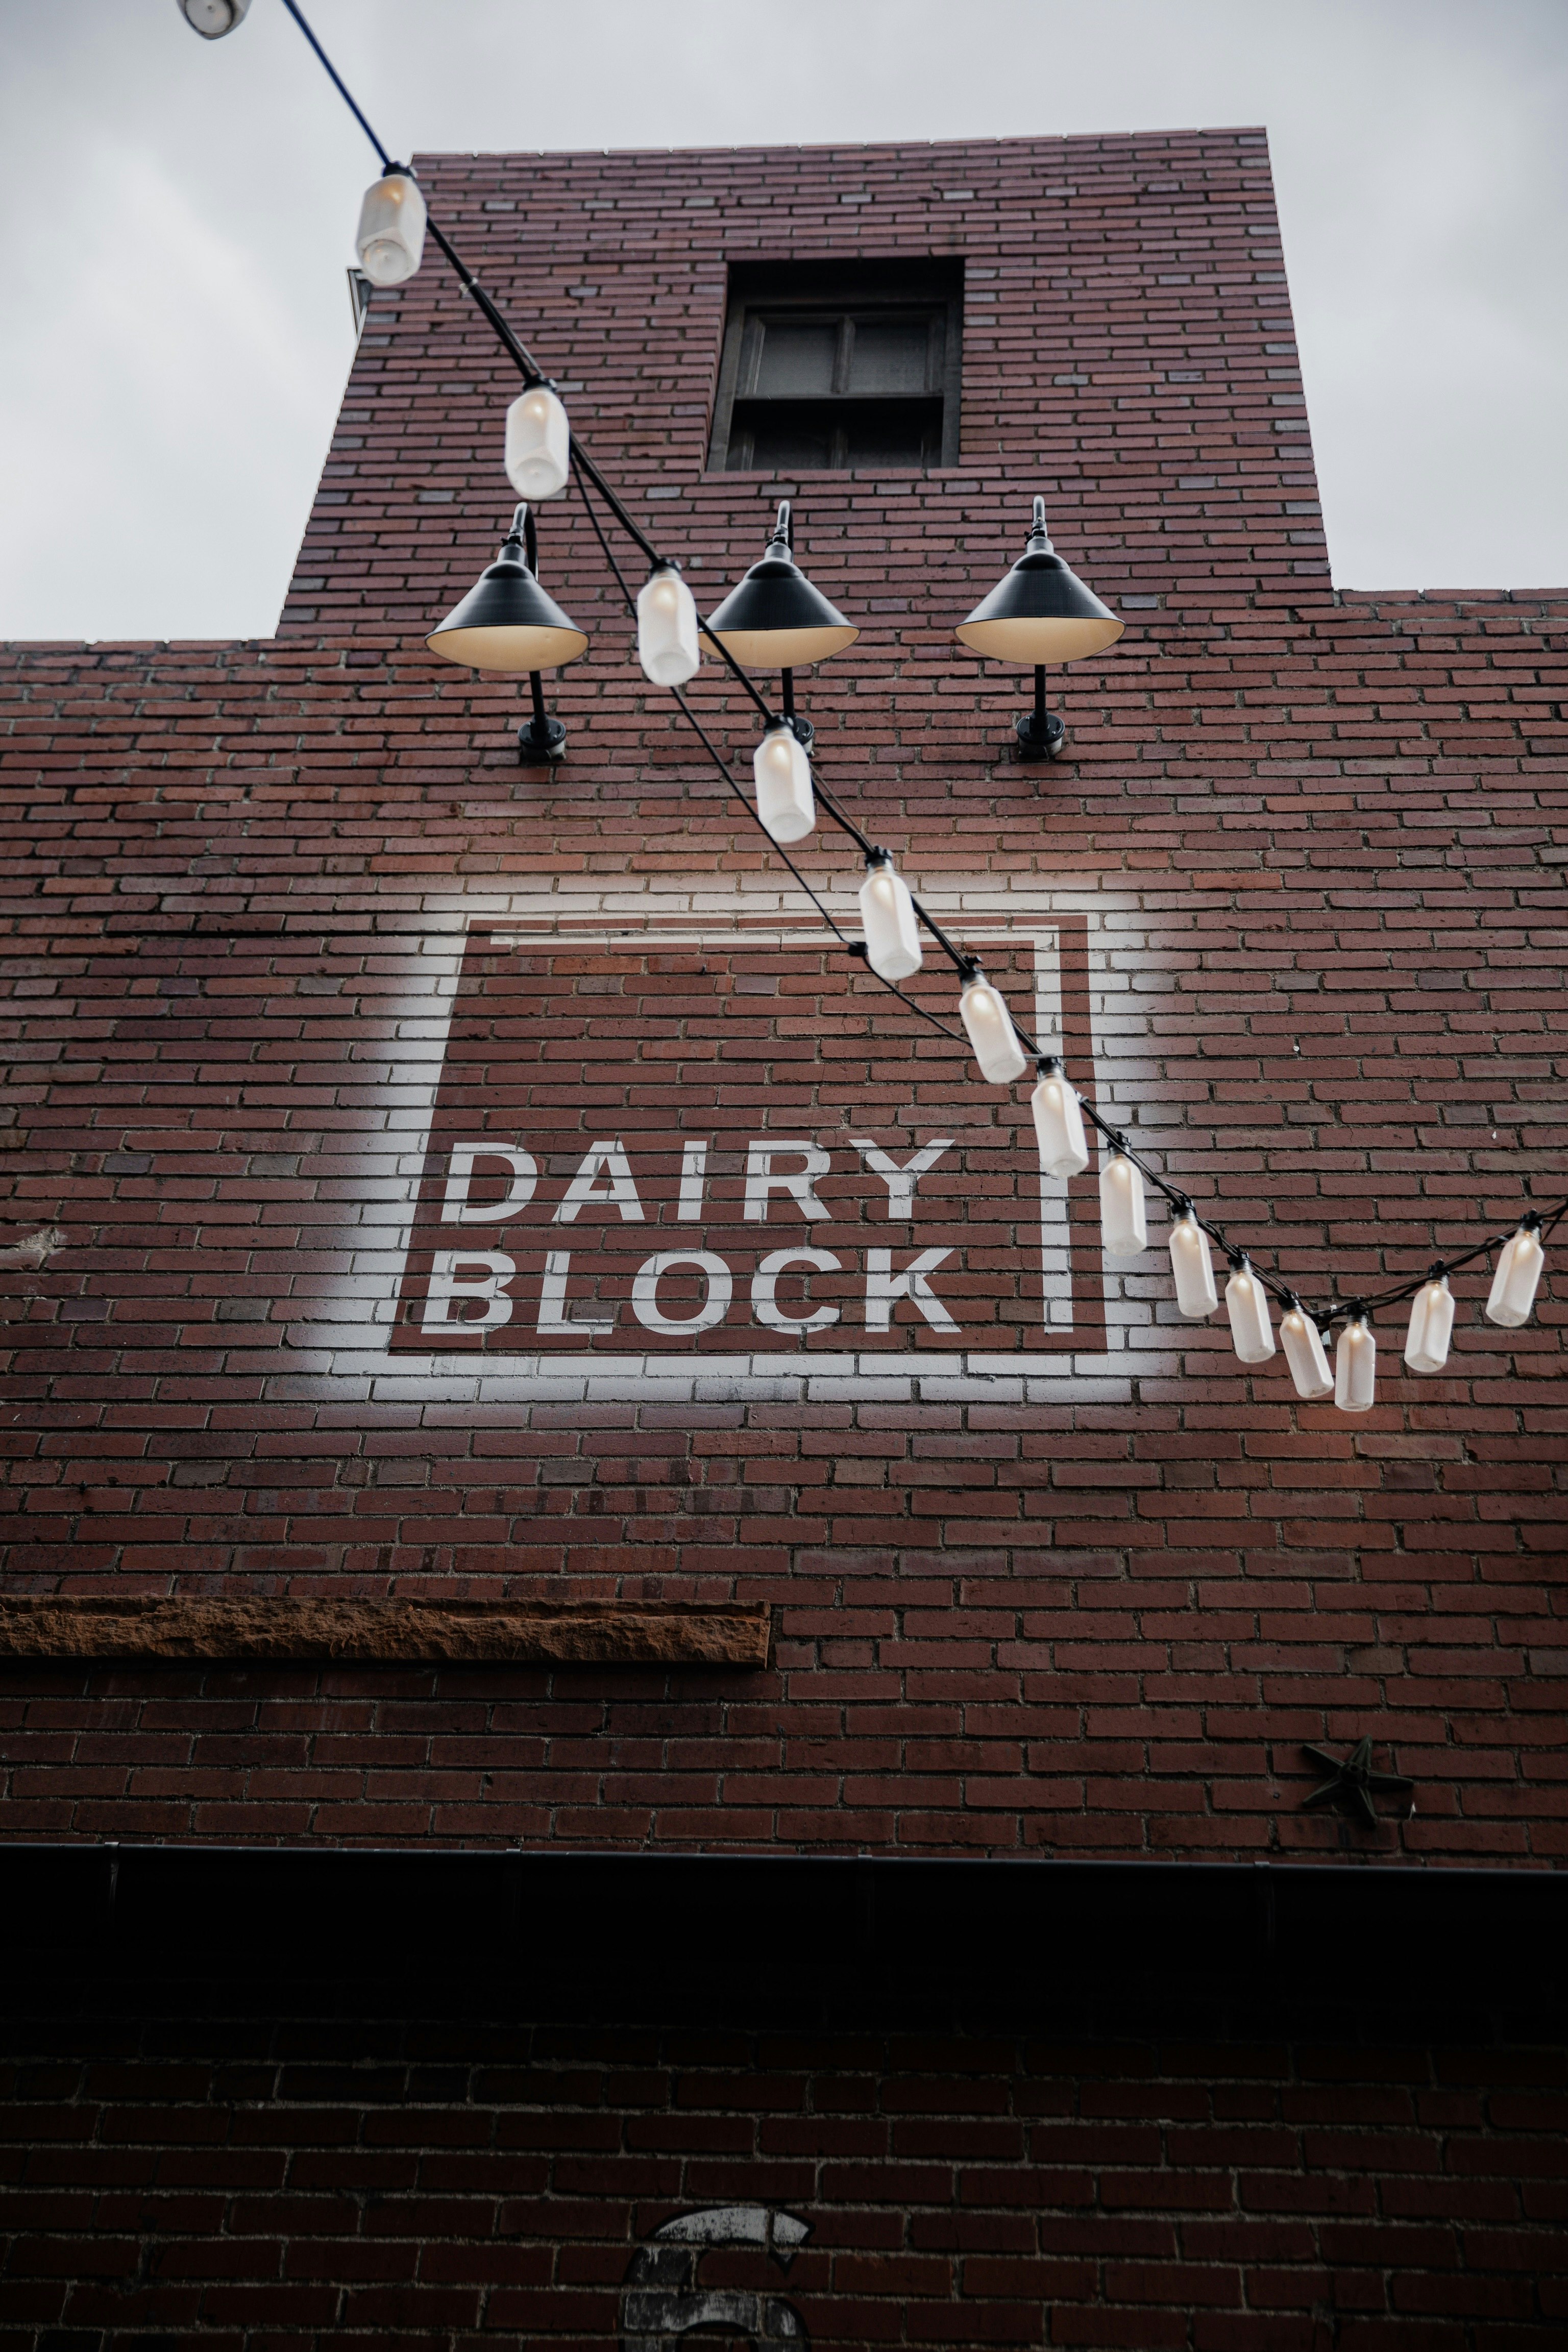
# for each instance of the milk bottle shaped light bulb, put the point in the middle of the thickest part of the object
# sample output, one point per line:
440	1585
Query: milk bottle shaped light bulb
1518	1273
1304	1354
1247	1304
538	443
1123	1220
1355	1366
1192	1266
785	800
666	628
1059	1121
390	240
888	920
1431	1326
984	1014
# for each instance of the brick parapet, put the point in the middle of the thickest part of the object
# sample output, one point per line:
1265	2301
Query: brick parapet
1127	348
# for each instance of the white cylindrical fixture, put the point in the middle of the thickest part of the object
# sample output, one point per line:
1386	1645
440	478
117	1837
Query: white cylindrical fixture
1518	1273
538	443
1304	1354
1124	1225
666	628
1431	1323
785	800
1247	1304
391	237
1058	1123
984	1014
1355	1366
1193	1267
887	917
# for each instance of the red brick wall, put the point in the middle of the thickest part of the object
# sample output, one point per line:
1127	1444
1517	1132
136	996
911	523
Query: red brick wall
1319	840
1127	348
254	2183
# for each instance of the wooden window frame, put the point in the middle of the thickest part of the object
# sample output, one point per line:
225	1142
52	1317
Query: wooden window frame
843	294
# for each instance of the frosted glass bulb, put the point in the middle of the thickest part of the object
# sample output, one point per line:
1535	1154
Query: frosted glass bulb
667	629
888	918
984	1014
391	237
1355	1365
785	801
538	443
1193	1267
1058	1123
1124	1225
1431	1321
1247	1304
1304	1354
1514	1283
213	18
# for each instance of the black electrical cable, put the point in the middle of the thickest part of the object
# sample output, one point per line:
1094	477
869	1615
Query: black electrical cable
701	733
852	946
963	964
966	964
527	366
341	87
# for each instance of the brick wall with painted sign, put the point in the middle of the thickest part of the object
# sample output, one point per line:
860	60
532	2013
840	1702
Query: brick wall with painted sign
311	981
654	1143
514	1343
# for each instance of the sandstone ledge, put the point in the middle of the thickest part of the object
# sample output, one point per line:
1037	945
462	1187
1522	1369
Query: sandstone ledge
392	1632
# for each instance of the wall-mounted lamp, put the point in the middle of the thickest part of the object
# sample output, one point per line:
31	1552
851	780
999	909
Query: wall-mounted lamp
507	623
1040	613
775	619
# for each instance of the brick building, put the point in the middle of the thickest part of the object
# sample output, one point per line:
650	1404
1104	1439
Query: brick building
558	1827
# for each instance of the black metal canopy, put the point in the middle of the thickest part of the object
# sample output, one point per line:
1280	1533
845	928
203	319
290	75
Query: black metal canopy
775	619
1041	611
506	622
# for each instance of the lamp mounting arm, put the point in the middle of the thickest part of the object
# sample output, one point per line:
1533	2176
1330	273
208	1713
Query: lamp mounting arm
523	532
803	731
1041	734
783	527
542	738
1039	536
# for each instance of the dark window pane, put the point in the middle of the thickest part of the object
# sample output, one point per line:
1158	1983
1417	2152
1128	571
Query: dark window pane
781	443
772	436
889	356
885	437
795	359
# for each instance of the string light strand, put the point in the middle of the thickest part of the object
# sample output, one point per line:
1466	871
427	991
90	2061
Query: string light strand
852	947
1543	1220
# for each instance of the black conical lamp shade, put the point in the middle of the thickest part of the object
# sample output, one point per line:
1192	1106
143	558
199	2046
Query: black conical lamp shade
775	619
1041	612
506	622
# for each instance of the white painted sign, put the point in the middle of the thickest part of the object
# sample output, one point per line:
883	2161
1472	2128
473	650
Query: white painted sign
664	1146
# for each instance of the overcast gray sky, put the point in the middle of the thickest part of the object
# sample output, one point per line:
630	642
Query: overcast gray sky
179	212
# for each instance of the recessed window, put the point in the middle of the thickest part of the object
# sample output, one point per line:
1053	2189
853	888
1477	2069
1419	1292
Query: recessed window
831	366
